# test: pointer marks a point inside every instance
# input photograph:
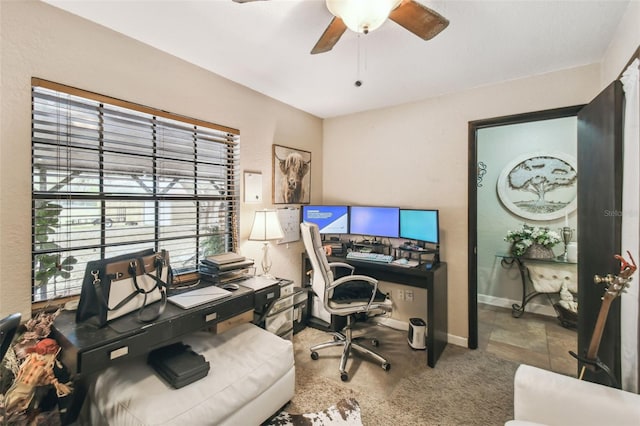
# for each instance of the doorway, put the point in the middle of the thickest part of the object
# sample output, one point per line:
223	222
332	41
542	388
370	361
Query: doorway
496	145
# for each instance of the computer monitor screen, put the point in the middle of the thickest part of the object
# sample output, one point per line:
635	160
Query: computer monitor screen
421	225
330	219
374	221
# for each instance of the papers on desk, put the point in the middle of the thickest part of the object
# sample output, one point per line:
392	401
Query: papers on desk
258	282
203	295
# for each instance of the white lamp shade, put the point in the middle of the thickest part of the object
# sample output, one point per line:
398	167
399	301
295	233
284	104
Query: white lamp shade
361	15
266	226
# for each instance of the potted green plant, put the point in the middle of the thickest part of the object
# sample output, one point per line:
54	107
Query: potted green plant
214	243
49	266
532	241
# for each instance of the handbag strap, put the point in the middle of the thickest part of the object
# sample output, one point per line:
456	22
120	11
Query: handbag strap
159	284
97	287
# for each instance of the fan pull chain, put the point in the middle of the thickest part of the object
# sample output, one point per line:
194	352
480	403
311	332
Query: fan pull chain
358	82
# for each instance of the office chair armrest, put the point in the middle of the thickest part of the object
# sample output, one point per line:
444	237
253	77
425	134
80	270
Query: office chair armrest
349	278
342	265
336	265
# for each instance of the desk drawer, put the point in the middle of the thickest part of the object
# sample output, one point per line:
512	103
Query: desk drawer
101	358
279	322
287	335
263	297
300	296
287	289
282	303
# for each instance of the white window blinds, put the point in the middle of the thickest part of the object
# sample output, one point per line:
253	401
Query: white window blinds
111	177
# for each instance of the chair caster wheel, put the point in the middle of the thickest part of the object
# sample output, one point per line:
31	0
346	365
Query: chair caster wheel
314	355
375	342
344	377
386	366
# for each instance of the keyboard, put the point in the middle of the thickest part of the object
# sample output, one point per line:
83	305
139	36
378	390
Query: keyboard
370	257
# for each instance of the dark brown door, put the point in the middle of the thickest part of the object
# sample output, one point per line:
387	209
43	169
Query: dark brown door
599	221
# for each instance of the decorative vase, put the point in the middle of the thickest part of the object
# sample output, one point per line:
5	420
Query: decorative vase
538	251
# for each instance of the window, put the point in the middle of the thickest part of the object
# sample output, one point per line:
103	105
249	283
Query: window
112	177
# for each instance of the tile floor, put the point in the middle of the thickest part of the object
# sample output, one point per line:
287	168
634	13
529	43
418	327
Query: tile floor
532	339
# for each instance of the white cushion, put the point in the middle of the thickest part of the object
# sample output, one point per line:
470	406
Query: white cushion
550	278
544	397
244	362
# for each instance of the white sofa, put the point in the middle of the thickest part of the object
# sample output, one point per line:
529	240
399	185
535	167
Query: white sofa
542	397
251	376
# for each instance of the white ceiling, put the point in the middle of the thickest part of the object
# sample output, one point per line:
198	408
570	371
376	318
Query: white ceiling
265	45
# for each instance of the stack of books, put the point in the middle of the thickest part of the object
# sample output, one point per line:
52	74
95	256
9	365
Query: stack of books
185	277
225	267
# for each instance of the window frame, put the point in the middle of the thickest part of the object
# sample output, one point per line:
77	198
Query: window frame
211	170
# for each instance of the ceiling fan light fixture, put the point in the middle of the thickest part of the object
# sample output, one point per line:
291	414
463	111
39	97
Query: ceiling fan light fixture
362	16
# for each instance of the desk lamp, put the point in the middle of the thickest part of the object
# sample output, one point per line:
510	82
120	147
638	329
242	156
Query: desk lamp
266	227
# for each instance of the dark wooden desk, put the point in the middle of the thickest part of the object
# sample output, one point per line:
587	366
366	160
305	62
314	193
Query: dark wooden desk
433	280
87	349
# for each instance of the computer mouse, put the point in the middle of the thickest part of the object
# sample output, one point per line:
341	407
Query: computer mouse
403	261
230	286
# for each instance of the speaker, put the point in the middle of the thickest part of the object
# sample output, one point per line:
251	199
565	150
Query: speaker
417	333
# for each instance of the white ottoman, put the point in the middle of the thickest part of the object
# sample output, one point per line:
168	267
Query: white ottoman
251	376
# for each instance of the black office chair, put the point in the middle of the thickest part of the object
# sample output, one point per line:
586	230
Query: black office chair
349	296
8	327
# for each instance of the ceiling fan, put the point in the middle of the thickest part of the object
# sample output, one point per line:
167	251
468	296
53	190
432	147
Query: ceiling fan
363	16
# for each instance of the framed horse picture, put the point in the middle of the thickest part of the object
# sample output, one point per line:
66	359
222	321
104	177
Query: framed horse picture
291	175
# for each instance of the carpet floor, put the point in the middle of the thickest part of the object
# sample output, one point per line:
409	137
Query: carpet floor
467	387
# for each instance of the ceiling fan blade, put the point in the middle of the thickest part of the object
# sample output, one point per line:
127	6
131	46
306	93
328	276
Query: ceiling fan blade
330	36
419	19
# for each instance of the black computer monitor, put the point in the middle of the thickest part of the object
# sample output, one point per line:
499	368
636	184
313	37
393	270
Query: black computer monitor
330	219
421	225
374	221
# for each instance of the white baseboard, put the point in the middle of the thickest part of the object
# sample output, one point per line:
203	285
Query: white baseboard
404	326
392	323
533	307
458	341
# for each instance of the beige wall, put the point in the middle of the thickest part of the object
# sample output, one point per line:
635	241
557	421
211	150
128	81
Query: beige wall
624	43
415	155
42	41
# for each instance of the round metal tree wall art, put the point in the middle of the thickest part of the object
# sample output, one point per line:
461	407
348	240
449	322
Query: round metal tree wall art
539	186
